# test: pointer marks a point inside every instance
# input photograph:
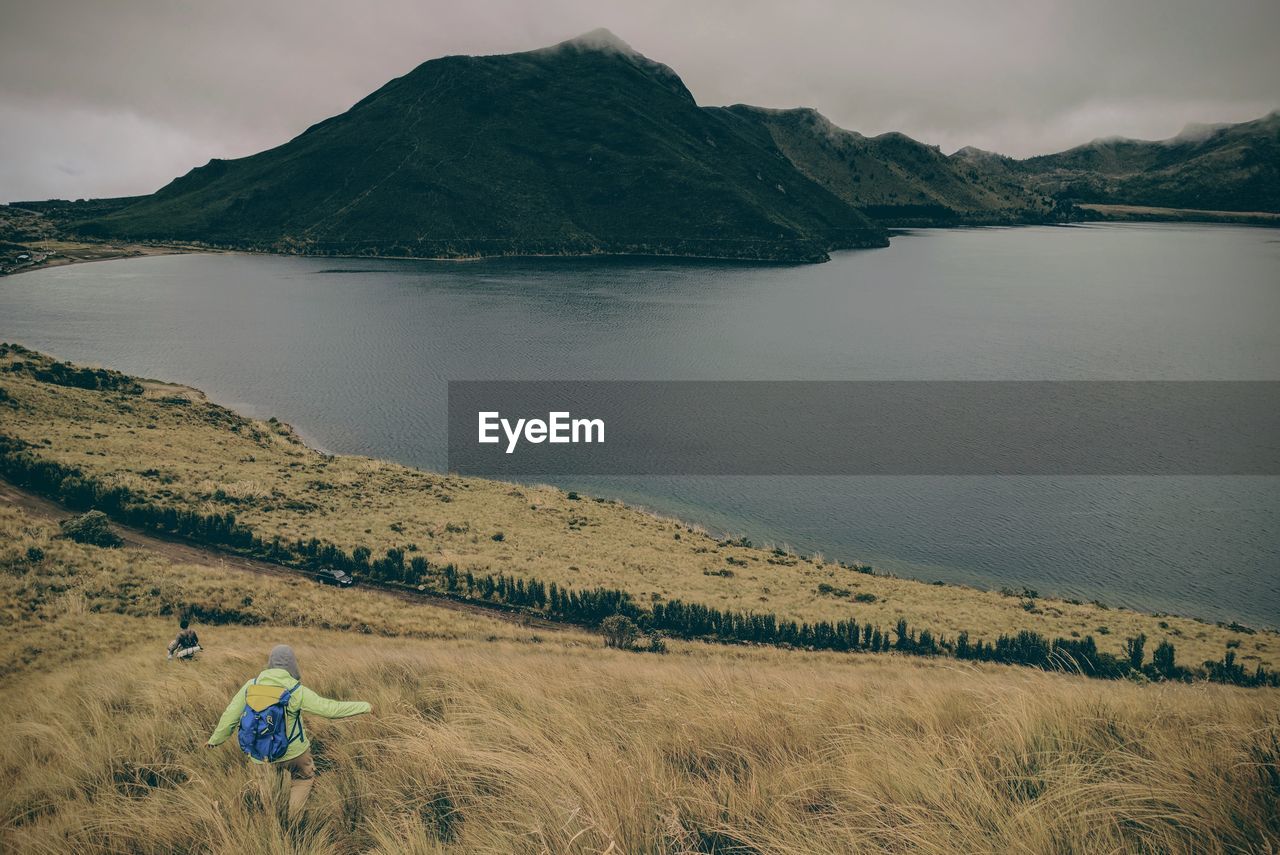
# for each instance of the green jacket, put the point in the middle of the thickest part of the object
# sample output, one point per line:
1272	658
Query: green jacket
303	700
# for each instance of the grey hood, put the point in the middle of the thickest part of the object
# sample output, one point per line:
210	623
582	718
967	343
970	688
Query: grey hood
282	657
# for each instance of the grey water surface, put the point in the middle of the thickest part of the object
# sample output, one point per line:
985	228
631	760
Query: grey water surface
355	353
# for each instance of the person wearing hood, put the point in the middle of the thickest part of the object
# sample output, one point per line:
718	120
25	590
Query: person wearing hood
282	672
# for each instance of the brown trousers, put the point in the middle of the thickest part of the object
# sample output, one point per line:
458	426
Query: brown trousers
301	771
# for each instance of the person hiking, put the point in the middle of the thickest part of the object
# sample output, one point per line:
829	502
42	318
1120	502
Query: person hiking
268	711
186	644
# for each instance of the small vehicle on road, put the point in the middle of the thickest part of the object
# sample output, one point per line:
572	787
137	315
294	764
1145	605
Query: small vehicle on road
334	576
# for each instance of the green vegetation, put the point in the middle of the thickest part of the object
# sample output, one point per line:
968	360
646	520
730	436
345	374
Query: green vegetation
36	234
584	147
898	181
1228	168
588	147
619	631
92	528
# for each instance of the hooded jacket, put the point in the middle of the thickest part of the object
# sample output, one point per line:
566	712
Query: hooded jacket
282	671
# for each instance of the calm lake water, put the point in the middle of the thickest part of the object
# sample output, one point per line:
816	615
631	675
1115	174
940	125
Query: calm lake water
356	353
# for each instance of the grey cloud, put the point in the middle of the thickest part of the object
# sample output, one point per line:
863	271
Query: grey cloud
133	93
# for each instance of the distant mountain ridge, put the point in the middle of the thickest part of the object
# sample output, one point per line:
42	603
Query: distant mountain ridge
589	147
898	181
1215	167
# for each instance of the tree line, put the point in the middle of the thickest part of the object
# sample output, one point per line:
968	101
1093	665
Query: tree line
590	607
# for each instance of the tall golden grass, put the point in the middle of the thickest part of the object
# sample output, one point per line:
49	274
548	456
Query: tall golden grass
492	739
499	747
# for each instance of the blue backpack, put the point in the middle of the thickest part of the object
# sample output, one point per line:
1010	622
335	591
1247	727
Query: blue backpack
264	729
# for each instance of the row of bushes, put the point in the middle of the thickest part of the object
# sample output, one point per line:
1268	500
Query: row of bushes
589	607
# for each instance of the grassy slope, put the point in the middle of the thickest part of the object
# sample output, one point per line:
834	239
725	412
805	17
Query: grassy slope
1232	168
1146	213
489	739
42	230
897	180
175	447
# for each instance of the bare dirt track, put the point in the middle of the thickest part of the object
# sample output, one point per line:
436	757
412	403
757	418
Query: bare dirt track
183	552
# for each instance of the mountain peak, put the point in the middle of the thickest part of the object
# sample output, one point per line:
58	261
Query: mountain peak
600	39
1197	132
603	42
972	152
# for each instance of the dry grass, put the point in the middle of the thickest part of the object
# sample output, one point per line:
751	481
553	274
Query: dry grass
489	740
50	587
175	447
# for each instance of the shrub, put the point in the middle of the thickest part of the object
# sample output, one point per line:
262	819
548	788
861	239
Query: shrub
1164	661
619	631
91	528
1135	650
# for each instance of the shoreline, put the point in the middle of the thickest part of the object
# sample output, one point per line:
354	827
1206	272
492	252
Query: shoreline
86	253
83	252
175	463
890	564
1008	590
892	570
1123	213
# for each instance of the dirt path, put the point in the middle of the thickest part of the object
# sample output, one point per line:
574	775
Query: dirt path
182	552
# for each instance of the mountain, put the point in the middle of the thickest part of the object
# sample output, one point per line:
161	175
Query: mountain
1220	168
590	147
898	181
583	147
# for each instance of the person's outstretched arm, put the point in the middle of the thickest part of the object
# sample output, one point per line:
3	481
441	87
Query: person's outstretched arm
230	718
329	708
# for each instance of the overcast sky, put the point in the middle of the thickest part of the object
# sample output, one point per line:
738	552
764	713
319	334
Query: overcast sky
116	98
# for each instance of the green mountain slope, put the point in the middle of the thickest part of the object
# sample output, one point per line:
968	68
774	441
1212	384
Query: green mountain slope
583	147
898	181
1226	168
589	147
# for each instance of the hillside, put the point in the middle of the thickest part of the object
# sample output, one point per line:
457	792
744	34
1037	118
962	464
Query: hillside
589	147
898	181
583	147
1223	168
35	237
490	738
161	456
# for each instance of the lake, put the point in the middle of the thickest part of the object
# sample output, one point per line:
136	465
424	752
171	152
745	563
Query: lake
355	353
